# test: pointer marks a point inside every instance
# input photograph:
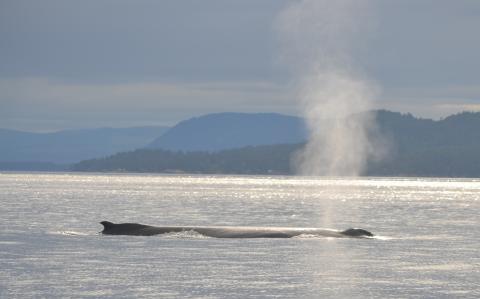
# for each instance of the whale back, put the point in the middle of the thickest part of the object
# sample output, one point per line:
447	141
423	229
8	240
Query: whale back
136	229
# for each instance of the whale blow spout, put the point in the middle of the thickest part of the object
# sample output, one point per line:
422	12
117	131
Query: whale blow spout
135	229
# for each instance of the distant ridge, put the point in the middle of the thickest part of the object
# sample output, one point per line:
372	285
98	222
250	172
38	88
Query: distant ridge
408	132
221	131
418	147
20	149
240	143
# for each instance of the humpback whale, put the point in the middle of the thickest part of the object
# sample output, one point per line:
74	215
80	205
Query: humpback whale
136	229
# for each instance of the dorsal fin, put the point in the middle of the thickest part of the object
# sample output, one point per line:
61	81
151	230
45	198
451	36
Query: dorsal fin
107	225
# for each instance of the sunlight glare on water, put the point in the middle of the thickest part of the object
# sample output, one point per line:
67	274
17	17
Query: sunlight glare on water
426	246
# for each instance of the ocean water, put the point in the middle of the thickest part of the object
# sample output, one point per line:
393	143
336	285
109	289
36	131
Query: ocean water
427	243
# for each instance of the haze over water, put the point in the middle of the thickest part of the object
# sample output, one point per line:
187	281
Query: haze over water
427	244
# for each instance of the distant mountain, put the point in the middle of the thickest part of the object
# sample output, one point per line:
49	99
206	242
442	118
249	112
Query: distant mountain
215	132
448	148
408	132
418	147
19	149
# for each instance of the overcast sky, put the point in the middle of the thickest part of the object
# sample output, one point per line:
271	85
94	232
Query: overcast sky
93	63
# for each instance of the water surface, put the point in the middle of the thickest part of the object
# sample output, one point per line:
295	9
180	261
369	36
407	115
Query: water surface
427	244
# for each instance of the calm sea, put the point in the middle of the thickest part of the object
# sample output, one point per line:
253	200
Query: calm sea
427	246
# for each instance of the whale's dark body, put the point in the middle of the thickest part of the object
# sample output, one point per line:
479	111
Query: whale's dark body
135	229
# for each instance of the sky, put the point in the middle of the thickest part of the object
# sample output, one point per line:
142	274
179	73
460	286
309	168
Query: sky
68	64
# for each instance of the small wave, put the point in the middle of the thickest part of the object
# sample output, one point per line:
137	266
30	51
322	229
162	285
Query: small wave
383	238
430	237
187	234
308	236
70	233
441	267
10	243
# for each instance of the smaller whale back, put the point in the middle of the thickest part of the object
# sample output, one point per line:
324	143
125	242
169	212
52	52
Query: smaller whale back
357	232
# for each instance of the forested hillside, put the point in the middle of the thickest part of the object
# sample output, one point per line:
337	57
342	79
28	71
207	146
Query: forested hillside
417	147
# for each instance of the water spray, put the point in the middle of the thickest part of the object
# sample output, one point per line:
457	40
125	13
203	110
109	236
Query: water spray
318	40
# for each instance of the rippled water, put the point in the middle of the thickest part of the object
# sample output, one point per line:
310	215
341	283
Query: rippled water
428	244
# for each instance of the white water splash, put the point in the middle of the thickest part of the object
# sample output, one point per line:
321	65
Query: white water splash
72	233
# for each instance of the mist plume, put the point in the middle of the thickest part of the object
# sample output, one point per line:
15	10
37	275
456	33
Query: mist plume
318	40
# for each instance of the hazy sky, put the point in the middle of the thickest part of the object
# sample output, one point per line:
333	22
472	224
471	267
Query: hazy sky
90	63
